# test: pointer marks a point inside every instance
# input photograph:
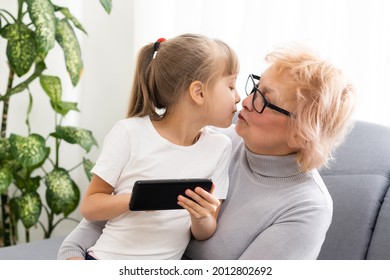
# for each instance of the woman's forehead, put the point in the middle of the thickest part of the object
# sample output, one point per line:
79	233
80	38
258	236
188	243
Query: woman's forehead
276	78
278	83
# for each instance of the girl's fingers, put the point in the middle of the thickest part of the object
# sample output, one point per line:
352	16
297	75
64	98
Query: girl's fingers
201	204
189	209
204	198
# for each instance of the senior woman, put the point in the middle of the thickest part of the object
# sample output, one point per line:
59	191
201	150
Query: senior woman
295	115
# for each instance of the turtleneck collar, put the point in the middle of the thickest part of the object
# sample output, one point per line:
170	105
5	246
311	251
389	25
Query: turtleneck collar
271	166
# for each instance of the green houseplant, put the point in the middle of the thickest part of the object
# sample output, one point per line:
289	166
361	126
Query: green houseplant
31	162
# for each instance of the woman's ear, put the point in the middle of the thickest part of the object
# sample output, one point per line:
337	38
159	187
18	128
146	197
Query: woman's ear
197	92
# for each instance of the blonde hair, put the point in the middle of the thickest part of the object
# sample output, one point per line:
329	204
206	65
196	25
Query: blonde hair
324	104
159	81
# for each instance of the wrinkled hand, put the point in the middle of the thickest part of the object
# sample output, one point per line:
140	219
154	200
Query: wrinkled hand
203	205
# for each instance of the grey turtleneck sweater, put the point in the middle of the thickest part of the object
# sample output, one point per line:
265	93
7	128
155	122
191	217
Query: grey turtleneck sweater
272	211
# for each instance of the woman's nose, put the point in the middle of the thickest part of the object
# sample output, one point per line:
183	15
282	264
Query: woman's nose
247	102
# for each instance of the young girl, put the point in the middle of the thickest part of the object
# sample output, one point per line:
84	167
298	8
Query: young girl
180	86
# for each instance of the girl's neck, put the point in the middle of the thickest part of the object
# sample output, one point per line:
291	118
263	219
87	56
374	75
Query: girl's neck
178	129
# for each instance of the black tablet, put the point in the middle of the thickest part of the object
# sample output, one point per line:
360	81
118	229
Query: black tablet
162	194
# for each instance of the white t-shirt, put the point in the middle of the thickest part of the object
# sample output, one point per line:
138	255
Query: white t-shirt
133	150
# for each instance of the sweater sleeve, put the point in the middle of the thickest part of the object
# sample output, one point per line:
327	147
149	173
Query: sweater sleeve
298	235
80	239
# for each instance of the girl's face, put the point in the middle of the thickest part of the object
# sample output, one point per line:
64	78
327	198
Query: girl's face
268	133
222	102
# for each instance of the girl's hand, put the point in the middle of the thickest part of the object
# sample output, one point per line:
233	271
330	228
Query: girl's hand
203	210
203	205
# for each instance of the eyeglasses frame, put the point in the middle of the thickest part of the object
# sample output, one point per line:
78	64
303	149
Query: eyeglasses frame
266	102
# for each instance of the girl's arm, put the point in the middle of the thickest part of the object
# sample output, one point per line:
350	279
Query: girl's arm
203	210
100	204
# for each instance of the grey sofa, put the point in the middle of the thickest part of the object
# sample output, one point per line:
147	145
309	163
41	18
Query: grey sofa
358	181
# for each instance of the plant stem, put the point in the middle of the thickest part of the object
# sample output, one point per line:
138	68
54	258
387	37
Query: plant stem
8	13
43	228
39	68
57	152
73	168
27	232
5	218
5	207
50	226
57	122
4	117
20	10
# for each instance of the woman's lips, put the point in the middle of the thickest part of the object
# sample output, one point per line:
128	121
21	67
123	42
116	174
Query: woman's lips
242	117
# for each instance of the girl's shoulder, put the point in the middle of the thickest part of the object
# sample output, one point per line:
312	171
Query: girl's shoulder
217	134
127	128
229	133
133	123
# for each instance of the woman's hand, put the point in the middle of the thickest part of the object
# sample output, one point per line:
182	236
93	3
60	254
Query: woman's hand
204	209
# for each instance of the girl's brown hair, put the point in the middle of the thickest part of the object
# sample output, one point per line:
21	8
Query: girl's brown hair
159	81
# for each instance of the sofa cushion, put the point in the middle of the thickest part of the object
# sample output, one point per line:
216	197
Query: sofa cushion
358	181
357	200
380	243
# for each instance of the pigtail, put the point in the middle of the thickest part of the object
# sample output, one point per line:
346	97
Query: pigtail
141	103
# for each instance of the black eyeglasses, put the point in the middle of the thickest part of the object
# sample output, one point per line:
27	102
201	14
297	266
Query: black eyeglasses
259	102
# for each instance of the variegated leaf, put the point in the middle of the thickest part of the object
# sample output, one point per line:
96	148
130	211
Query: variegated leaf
12	31
29	151
62	194
29	208
42	15
52	86
69	16
39	68
24	181
5	149
64	107
76	135
88	164
107	4
67	39
5	179
20	48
